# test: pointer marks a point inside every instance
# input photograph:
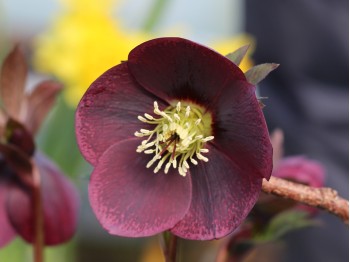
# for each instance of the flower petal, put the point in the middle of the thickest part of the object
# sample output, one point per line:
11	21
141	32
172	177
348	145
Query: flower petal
176	68
222	196
240	129
108	112
40	102
129	199
7	231
12	80
60	206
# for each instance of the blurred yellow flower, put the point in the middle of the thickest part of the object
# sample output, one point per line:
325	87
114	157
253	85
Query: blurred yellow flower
229	45
83	42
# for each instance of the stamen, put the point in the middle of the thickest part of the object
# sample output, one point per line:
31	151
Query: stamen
180	132
208	138
141	118
178	106
188	110
149	117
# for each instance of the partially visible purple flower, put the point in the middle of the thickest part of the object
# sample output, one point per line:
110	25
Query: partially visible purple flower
20	118
178	142
301	170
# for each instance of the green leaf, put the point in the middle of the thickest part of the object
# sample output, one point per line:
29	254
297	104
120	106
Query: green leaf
237	56
285	222
257	73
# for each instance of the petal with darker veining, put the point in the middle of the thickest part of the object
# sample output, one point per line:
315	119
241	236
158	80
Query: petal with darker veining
108	112
129	199
240	129
175	68
222	196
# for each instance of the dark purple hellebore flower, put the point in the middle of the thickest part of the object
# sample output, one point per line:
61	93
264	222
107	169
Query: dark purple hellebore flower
20	117
178	142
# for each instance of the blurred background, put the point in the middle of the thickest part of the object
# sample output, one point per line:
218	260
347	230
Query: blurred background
74	41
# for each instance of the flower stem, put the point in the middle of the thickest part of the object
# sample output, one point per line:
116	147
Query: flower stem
154	15
38	217
169	246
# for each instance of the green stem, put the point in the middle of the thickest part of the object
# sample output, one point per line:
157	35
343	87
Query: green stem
169	246
154	15
38	217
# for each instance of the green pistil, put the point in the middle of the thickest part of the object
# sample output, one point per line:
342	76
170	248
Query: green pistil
178	138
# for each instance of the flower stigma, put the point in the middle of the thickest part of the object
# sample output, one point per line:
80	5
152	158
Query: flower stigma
179	137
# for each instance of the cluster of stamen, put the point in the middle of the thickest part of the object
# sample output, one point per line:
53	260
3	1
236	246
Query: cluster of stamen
178	138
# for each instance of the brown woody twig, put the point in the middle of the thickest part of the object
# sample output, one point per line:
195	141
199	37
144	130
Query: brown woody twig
324	198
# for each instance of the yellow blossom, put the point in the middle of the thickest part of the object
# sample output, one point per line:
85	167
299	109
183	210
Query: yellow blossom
83	42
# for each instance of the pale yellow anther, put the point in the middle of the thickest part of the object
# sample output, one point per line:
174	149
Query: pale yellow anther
174	163
176	116
201	157
145	131
141	118
208	138
149	117
167	166
178	106
155	105
138	134
186	164
194	161
188	111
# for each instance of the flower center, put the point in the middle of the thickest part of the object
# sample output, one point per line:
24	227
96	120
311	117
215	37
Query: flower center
178	138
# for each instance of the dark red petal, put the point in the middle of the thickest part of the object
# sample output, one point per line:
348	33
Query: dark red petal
39	104
108	112
175	68
129	199
12	80
222	196
7	233
240	129
60	206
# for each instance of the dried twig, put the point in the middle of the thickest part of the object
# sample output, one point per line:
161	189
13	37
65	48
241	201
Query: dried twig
324	198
